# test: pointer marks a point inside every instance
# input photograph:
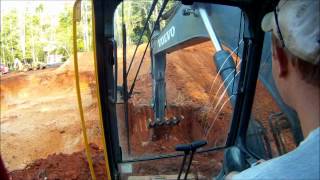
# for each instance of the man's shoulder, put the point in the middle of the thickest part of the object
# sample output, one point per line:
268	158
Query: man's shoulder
301	163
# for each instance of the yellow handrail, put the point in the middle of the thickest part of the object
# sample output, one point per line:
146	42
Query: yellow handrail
76	71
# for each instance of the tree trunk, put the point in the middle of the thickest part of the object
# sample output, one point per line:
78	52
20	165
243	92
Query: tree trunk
85	25
22	34
12	55
33	49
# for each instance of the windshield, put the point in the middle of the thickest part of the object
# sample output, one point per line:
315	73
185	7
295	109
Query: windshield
194	90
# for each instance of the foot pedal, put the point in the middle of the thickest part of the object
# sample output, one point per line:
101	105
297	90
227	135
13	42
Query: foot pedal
166	122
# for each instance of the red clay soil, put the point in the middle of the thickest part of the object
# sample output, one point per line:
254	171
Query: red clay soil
63	166
189	77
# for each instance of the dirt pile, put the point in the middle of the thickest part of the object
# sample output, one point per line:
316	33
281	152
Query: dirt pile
63	166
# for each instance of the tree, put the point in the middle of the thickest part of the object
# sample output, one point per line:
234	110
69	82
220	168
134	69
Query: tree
64	33
33	35
9	38
27	34
136	13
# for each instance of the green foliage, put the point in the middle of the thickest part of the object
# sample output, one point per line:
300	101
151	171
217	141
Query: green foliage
9	38
22	35
135	16
32	35
64	33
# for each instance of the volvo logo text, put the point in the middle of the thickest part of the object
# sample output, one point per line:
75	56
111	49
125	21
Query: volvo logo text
167	36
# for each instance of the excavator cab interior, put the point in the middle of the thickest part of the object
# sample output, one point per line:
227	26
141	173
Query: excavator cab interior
161	140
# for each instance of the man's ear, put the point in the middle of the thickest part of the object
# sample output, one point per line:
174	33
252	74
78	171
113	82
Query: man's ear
283	61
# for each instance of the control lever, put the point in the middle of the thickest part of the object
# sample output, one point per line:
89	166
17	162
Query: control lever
186	148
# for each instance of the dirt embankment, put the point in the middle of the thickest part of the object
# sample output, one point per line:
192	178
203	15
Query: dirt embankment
39	113
41	117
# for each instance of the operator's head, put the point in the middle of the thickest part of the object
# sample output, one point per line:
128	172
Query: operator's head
295	45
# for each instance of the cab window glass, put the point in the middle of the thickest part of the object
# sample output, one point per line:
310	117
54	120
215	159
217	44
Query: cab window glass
194	90
270	131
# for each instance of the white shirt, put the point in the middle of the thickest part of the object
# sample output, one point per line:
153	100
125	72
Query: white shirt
301	163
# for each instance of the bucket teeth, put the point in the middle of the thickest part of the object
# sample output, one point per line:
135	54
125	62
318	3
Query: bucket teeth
165	122
151	123
161	123
168	123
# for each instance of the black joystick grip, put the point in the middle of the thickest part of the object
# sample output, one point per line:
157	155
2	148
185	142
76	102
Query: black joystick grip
183	147
198	144
191	147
